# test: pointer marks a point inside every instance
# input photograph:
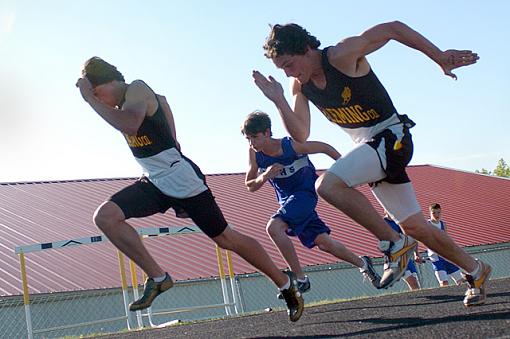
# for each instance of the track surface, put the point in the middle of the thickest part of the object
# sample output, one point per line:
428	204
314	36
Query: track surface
432	313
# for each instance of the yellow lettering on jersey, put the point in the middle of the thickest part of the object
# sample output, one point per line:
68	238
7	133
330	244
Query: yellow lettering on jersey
335	115
350	115
137	141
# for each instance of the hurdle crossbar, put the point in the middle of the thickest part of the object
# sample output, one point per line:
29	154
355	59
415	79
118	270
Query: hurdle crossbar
149	232
143	232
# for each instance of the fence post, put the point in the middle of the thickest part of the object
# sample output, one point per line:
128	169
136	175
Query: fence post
26	296
231	277
123	280
221	270
134	284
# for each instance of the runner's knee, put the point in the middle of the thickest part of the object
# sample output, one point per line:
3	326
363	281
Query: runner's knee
324	246
328	184
324	242
108	215
229	239
275	227
223	242
416	226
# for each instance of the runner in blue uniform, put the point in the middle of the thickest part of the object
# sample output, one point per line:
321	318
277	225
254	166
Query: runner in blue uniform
443	269
285	164
170	180
341	83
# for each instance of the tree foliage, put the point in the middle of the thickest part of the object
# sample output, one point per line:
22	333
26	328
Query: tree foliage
502	170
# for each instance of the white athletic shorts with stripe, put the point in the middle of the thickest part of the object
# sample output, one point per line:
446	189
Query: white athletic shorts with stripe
381	162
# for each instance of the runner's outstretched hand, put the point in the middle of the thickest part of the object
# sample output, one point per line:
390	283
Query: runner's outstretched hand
271	88
452	59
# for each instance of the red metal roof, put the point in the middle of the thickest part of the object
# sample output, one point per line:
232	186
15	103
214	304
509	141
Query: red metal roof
475	206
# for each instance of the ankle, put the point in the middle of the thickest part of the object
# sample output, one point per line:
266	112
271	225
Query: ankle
286	286
476	271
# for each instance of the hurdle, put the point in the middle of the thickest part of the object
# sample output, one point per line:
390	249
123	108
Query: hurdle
227	304
21	251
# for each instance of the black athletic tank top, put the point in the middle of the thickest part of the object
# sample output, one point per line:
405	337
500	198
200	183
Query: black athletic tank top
153	136
350	102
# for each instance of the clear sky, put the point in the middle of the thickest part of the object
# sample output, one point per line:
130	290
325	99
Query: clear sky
200	55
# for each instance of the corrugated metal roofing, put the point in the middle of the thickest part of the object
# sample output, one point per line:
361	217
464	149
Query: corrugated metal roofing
475	207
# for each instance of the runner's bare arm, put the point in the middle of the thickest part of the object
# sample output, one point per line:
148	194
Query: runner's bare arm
254	180
296	120
351	50
314	147
126	119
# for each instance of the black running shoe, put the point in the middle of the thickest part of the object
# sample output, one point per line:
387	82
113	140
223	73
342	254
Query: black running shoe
150	292
303	286
293	298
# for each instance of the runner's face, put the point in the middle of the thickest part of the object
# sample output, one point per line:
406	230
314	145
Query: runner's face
435	214
295	66
257	141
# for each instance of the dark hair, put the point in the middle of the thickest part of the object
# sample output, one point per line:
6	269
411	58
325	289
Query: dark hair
99	72
435	206
256	122
289	39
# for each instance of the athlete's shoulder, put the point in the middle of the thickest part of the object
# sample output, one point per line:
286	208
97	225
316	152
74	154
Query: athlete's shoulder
286	139
138	83
139	88
338	51
288	145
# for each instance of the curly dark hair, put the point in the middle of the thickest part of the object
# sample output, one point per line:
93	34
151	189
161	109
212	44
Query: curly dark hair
256	122
290	39
99	72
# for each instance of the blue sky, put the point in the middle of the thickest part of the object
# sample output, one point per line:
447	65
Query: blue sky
200	56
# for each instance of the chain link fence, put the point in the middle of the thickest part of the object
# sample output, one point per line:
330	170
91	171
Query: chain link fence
12	318
342	281
203	299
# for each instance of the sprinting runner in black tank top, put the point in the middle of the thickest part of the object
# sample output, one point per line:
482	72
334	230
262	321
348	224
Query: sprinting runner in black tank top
350	102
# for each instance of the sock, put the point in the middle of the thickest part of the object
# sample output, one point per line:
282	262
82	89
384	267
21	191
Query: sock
398	243
302	280
474	274
286	286
159	279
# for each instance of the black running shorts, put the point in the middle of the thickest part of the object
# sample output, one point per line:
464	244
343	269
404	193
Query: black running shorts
142	199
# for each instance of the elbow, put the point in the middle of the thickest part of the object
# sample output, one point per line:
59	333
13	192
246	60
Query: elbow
251	187
396	27
131	124
301	136
395	24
